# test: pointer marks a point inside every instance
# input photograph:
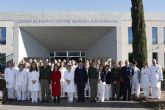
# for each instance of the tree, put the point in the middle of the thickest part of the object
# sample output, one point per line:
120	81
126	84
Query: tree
139	33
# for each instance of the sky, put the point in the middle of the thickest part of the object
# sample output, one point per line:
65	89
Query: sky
78	5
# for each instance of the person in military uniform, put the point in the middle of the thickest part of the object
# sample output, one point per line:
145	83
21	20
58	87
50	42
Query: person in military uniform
93	75
116	78
44	78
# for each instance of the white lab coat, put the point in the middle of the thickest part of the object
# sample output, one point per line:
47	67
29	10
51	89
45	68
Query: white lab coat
21	80
99	89
146	84
27	87
9	76
62	81
145	78
156	78
62	70
136	82
69	76
34	75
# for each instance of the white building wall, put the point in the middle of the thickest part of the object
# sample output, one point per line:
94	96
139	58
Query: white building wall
126	48
29	47
105	47
159	48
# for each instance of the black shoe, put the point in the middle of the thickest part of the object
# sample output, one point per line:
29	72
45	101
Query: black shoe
78	100
58	99
54	99
93	101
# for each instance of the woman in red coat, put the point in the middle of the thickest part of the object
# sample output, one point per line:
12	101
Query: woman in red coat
55	80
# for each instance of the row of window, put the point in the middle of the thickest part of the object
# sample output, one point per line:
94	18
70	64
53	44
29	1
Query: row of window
154	35
130	36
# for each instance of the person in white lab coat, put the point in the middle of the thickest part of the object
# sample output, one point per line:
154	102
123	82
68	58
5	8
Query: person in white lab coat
136	80
34	82
146	84
26	68
62	81
9	76
156	78
70	86
99	90
21	83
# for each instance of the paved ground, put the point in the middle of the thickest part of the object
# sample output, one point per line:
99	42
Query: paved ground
112	105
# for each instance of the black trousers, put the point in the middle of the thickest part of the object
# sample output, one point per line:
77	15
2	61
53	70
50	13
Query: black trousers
80	91
127	90
121	89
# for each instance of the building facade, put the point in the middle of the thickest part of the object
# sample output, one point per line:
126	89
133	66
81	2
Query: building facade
77	34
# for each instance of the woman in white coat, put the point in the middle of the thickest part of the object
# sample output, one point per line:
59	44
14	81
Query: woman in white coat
9	76
34	82
146	84
21	83
70	86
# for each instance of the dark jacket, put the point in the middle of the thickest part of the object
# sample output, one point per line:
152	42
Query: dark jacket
116	75
106	77
80	75
93	73
127	73
45	73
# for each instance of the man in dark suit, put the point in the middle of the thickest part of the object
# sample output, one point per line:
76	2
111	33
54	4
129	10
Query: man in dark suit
127	73
80	78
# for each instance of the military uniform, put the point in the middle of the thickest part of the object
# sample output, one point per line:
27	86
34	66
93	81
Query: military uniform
45	82
93	75
116	79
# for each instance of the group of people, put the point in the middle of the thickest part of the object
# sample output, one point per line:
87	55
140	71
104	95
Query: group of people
97	79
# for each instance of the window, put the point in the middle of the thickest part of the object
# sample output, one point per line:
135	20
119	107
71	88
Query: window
63	54
51	54
164	35
3	35
130	57
155	56
2	58
154	35
83	54
164	59
74	53
130	36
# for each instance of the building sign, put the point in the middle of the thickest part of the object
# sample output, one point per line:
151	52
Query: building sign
70	21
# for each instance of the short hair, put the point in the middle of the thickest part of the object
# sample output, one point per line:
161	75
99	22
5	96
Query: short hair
80	61
21	64
134	62
106	66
